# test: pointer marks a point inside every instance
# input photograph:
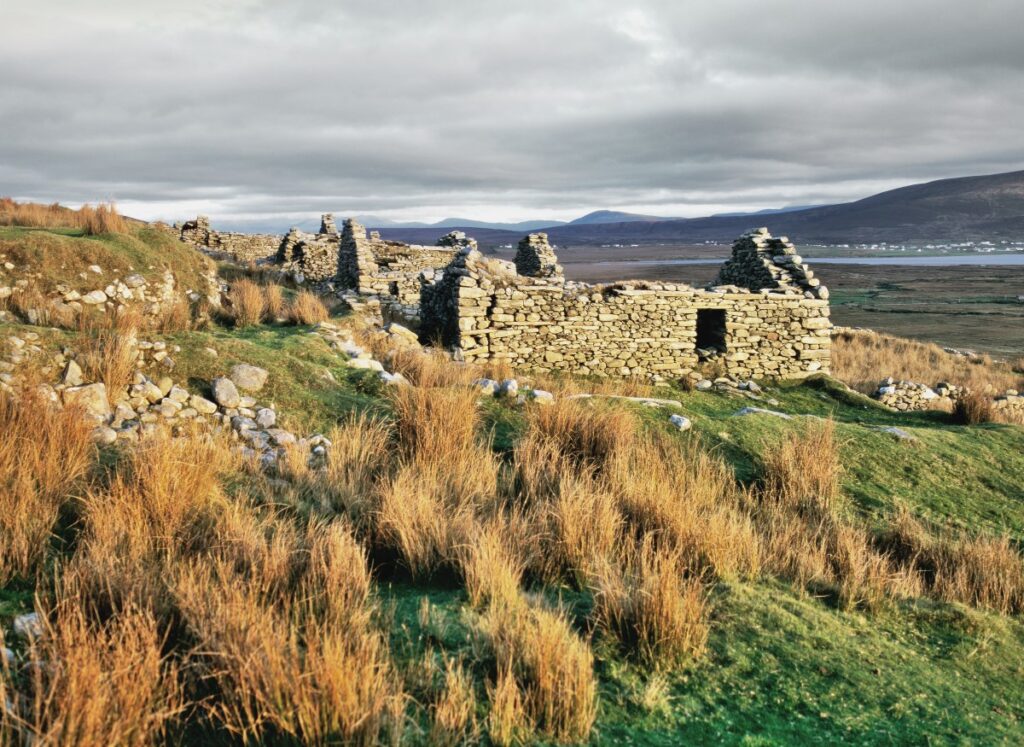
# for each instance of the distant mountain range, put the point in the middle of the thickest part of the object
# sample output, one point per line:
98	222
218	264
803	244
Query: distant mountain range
966	208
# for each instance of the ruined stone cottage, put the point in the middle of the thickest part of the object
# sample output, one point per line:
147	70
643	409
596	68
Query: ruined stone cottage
765	316
768	316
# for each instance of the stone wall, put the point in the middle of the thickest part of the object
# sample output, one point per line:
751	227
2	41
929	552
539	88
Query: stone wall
780	330
761	261
535	258
314	257
391	272
241	247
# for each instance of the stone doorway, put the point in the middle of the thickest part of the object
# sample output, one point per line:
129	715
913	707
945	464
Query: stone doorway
711	335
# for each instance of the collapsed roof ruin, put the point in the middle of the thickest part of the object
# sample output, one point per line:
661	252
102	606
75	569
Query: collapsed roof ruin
766	316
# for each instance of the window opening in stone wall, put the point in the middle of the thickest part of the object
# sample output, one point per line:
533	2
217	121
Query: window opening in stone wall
710	333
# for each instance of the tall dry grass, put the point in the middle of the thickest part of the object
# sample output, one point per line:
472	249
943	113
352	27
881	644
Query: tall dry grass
650	604
108	351
973	408
552	667
863	358
45	457
803	471
93	683
273	296
101	219
247	303
307	308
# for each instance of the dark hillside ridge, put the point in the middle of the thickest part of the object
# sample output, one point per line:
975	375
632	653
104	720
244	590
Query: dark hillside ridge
966	208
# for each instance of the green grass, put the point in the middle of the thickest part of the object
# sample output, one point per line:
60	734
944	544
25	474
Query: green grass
60	256
783	667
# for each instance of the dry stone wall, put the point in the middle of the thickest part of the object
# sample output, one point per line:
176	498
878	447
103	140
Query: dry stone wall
314	257
780	330
391	272
535	257
241	247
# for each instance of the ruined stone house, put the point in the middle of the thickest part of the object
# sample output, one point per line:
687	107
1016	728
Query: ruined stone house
765	316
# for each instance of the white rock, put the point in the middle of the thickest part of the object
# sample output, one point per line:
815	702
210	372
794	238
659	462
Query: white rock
365	363
509	388
96	268
92	398
487	386
249	378
225	393
762	411
542	397
680	422
266	418
104	435
95	297
28	625
72	375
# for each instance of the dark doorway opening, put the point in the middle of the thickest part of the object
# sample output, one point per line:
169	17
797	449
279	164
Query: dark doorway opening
710	332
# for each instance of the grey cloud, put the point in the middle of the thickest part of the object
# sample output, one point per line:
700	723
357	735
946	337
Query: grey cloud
501	110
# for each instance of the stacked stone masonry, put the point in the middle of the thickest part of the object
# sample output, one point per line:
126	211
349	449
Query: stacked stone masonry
535	258
776	325
313	256
392	272
241	247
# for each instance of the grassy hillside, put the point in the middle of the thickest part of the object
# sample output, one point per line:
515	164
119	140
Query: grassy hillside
459	568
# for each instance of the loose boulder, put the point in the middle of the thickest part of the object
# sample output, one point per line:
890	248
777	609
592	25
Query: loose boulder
225	393
249	378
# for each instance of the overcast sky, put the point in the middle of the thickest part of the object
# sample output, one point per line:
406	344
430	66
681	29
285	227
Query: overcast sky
413	109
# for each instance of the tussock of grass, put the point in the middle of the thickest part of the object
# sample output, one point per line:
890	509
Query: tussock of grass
45	454
306	308
973	408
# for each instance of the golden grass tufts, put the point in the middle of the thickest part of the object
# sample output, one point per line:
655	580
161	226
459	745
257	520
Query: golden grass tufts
552	666
273	296
507	722
101	219
247	304
109	353
453	714
973	408
45	456
863	358
93	683
307	308
803	471
652	606
492	573
278	669
585	529
421	519
164	504
586	434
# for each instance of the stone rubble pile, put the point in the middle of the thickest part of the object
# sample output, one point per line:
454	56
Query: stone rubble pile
457	239
112	295
909	395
